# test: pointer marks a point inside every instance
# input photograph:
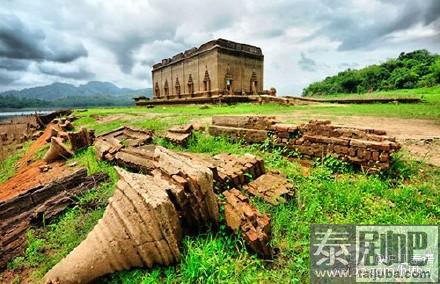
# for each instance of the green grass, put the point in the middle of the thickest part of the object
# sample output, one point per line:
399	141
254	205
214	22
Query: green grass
428	109
408	195
8	166
332	192
161	117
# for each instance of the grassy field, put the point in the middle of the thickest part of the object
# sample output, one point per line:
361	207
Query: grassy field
328	192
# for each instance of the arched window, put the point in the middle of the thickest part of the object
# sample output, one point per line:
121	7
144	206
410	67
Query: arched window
166	89
177	87
254	83
190	85
157	90
206	82
228	81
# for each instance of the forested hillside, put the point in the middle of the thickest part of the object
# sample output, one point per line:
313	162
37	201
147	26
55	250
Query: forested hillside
93	93
415	69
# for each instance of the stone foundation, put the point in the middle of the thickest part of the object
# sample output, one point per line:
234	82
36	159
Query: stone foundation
368	148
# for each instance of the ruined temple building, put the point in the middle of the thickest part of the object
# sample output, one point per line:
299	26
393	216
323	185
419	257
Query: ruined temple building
217	69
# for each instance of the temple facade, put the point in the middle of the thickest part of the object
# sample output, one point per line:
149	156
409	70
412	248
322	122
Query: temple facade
217	68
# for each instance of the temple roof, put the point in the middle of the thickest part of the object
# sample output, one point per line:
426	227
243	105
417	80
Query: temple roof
210	45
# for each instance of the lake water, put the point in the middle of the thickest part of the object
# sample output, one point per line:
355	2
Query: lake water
9	114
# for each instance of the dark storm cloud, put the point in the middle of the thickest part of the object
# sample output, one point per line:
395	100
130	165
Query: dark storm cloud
18	41
356	30
78	74
307	64
124	50
14	64
42	40
7	77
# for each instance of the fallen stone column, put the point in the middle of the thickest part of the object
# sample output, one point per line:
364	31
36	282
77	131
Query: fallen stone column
200	184
253	226
57	151
140	228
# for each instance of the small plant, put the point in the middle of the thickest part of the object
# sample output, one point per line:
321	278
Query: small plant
400	168
334	164
266	146
33	253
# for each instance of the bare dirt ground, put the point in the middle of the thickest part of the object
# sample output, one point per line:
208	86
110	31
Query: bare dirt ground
29	174
17	130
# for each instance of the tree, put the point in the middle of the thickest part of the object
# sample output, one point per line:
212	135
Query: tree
413	69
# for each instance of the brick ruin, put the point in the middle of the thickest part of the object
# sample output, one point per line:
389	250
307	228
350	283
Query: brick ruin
368	148
20	212
179	134
176	194
172	194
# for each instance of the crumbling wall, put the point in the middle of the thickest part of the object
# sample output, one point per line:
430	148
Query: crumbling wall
369	148
17	214
251	129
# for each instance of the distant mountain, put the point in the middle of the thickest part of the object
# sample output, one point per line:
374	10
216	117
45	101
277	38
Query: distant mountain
94	93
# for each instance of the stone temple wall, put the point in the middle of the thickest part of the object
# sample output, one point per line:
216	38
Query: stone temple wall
216	68
368	148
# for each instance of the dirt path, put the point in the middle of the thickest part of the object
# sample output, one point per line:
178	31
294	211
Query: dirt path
398	127
29	174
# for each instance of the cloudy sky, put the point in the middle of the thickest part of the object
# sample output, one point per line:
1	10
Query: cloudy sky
118	40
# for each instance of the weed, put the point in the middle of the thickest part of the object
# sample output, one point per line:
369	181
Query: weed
334	165
8	166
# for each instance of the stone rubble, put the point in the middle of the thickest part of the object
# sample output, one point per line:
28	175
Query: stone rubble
272	188
179	134
235	171
81	139
58	150
253	226
368	148
108	144
148	213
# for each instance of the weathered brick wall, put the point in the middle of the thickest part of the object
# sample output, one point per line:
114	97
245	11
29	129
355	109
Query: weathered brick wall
17	214
369	148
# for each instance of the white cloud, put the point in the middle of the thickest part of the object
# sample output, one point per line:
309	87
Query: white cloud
124	38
